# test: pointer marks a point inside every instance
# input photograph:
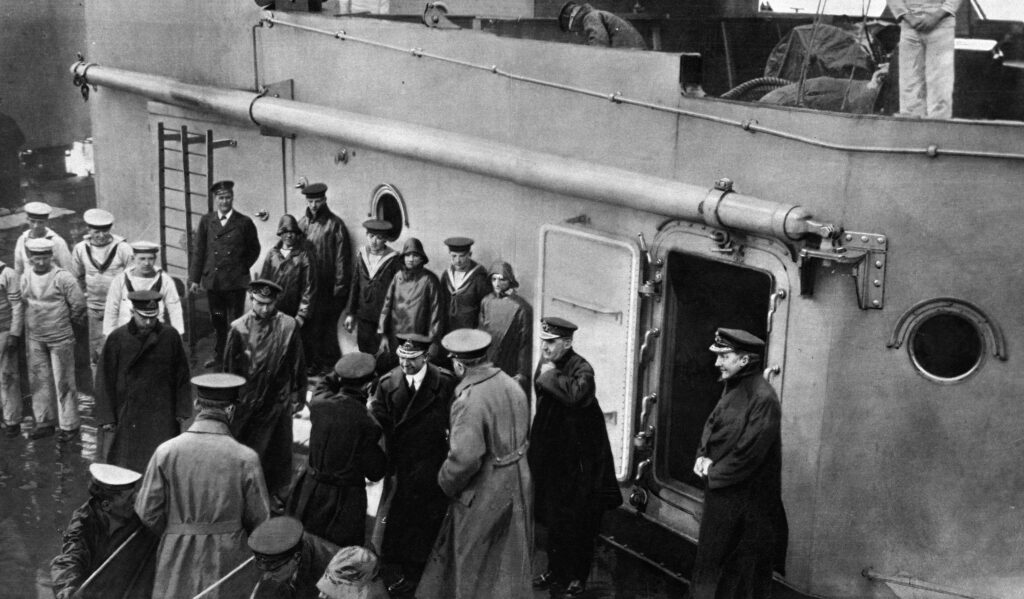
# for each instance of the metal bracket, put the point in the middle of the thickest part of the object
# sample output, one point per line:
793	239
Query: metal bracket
865	253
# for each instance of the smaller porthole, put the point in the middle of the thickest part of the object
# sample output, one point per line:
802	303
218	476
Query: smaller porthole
387	204
946	347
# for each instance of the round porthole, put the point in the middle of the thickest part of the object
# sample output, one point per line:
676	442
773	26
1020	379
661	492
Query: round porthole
387	204
947	338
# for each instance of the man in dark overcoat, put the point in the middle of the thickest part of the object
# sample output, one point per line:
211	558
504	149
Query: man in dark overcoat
142	389
333	259
571	460
412	403
485	545
413	302
226	246
344	451
743	531
374	266
291	561
264	347
464	285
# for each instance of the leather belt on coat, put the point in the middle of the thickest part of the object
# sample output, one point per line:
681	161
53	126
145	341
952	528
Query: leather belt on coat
202	528
335	480
512	458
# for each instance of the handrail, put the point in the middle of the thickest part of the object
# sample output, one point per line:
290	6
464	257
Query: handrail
750	125
917	583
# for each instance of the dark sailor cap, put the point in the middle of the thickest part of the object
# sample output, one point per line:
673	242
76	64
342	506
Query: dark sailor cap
314	190
355	367
218	386
145	247
466	344
97	218
220	186
567	14
413	345
39	246
145	302
377	225
38	210
276	537
553	327
727	340
113	478
265	288
458	244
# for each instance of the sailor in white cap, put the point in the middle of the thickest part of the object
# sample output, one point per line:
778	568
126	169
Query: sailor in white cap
52	301
143	274
38	214
204	491
95	262
97	529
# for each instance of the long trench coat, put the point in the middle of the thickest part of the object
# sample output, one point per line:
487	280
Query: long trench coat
142	387
416	443
486	542
205	492
344	451
268	354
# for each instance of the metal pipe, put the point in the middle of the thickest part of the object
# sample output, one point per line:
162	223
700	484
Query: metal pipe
547	172
917	583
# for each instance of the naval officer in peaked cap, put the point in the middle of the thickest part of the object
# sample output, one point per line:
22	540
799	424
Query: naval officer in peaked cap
290	559
571	459
488	483
204	492
743	531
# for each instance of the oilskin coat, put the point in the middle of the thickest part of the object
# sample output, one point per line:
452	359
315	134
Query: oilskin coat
296	274
413	304
205	492
571	461
142	387
416	443
268	354
462	303
344	450
509	320
486	541
86	545
743	531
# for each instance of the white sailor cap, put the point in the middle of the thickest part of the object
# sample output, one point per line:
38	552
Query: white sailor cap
98	218
113	477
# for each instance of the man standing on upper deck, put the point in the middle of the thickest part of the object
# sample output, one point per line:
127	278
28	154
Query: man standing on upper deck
95	262
333	262
601	27
226	247
38	214
143	275
743	531
927	36
463	285
374	268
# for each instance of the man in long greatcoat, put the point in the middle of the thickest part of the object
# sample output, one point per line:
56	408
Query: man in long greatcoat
464	285
743	530
412	403
508	318
344	451
264	347
333	257
571	460
373	269
142	389
204	492
412	303
486	541
226	246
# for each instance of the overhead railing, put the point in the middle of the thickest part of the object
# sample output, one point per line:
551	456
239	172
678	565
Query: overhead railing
749	125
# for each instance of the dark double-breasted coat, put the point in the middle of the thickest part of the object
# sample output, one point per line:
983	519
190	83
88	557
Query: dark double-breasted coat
743	531
572	464
296	274
142	387
462	303
416	442
344	450
223	255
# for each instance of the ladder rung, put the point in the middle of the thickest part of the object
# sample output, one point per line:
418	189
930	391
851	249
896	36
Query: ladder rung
173	228
194	193
176	136
169	265
176	209
178	151
178	170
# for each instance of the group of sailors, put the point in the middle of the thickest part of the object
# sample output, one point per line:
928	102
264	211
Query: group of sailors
435	403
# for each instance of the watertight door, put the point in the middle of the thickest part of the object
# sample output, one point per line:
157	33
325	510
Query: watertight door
592	279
